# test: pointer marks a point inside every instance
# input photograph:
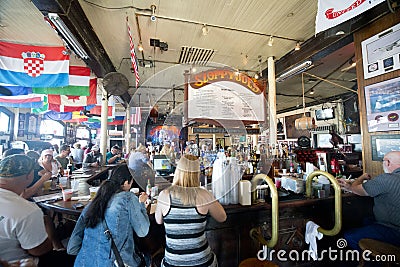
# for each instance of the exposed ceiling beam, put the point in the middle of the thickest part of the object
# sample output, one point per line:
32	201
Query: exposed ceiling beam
75	19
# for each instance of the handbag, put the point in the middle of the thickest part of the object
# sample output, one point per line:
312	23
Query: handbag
107	232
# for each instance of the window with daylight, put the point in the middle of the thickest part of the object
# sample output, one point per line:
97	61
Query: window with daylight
5	122
52	127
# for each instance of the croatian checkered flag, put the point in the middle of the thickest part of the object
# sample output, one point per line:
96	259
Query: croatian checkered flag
133	54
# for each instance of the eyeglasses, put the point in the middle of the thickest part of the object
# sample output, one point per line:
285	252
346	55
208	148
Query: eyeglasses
385	160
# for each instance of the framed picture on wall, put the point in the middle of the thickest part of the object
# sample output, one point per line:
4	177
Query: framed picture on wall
382	144
382	101
32	124
21	125
21	117
21	133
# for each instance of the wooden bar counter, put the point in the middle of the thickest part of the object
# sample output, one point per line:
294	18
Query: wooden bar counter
231	241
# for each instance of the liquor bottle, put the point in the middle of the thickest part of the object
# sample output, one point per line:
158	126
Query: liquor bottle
148	188
322	165
291	168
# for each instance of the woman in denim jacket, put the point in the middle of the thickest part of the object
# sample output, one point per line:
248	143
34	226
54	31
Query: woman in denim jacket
124	214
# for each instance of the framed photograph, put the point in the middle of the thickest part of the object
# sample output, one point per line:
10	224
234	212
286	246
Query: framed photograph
21	133
382	102
382	144
32	124
381	52
21	125
29	137
21	117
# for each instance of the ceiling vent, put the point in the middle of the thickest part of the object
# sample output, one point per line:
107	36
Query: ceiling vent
195	55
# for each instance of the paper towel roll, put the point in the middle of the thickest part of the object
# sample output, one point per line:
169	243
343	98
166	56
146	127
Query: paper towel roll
245	193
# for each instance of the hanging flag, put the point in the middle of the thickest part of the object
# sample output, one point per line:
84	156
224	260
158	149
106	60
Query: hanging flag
33	66
136	116
96	110
26	101
44	108
67	103
332	12
79	78
133	55
57	116
10	90
118	120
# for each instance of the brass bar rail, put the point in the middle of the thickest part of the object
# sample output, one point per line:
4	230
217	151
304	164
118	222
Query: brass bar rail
338	201
275	213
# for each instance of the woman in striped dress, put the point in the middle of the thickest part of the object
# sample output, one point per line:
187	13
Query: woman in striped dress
183	208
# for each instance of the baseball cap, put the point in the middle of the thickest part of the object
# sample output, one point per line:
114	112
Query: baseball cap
16	165
95	148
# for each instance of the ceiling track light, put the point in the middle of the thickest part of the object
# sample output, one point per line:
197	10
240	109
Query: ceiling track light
153	13
297	47
205	30
270	41
311	91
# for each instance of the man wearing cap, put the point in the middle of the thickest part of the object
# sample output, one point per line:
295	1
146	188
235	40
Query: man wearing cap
22	230
93	158
63	157
114	155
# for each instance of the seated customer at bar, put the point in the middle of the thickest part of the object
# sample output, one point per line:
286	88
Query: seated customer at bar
22	229
93	158
118	209
63	157
49	164
385	189
183	208
114	156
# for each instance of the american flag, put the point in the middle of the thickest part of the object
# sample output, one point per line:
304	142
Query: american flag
136	116
133	54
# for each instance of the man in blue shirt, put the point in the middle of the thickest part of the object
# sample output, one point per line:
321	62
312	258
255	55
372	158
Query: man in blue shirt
113	156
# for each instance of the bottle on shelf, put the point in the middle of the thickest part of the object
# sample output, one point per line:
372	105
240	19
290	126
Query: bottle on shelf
322	165
291	166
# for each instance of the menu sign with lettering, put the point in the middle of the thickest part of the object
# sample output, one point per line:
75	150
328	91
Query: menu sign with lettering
225	95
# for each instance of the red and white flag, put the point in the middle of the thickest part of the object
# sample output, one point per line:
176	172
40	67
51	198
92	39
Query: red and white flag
68	103
136	116
133	55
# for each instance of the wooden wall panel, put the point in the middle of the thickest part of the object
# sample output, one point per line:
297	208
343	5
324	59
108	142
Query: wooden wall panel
372	167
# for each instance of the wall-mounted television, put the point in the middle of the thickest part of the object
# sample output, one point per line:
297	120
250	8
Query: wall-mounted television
162	165
324	114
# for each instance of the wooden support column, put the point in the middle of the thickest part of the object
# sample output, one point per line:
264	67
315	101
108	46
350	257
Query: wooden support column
272	100
103	123
128	130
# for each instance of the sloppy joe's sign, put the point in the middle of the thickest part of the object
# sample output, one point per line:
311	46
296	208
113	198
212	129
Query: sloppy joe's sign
211	76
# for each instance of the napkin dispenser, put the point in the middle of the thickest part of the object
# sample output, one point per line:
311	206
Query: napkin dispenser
245	193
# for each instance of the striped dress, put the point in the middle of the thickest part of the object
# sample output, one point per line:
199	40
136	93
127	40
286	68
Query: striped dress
186	242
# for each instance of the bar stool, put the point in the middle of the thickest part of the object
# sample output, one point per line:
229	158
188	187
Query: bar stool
254	262
379	248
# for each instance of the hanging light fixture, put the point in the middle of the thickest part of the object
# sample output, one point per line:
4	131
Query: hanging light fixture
140	47
270	41
297	47
204	30
304	123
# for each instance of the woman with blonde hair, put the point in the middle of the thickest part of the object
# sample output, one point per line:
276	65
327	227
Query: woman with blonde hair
183	208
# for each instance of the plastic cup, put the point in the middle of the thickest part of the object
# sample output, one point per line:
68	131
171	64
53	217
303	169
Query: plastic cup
63	181
93	191
284	171
75	185
66	172
47	185
67	194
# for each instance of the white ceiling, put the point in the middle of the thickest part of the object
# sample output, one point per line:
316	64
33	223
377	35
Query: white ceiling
238	31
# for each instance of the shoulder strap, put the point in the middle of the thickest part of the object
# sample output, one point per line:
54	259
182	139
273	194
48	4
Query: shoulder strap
108	234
